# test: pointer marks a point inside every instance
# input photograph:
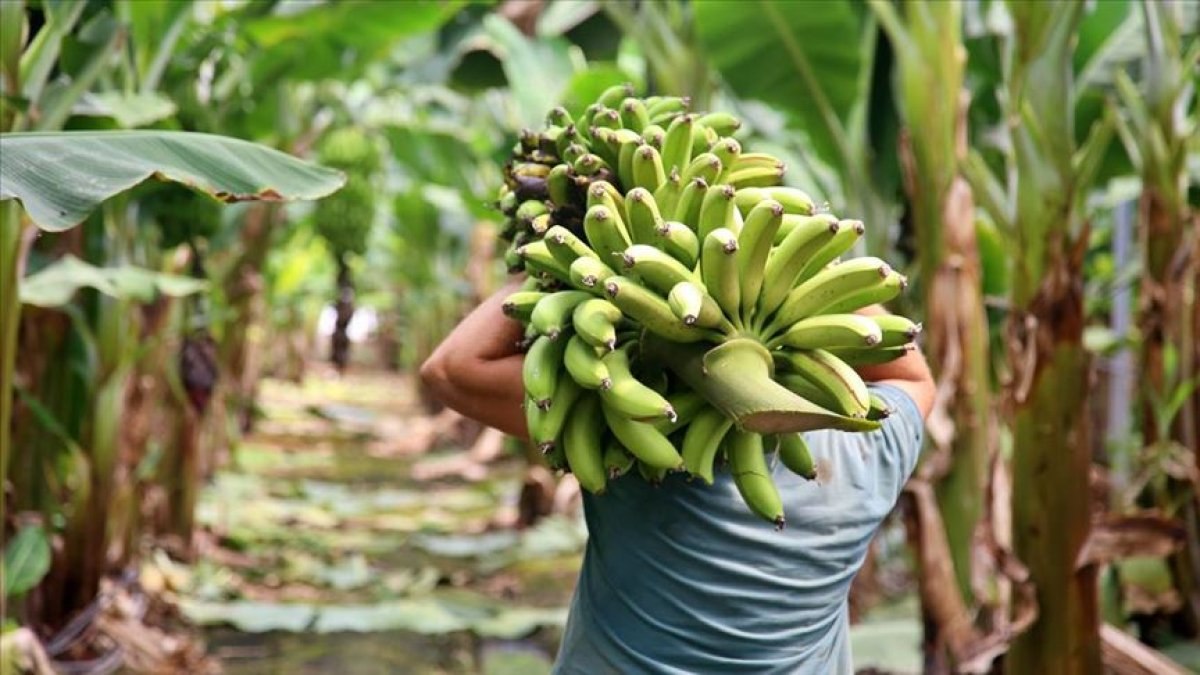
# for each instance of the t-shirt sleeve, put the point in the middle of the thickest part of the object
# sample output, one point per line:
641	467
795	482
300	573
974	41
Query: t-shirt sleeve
897	444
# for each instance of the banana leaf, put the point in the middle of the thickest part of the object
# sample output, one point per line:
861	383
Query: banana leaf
60	177
54	285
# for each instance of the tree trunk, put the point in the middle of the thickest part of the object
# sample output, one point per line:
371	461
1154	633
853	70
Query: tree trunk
243	291
339	348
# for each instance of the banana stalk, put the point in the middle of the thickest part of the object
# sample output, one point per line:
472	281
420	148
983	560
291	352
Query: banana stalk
735	378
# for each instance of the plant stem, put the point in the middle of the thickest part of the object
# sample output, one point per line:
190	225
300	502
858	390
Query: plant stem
12	231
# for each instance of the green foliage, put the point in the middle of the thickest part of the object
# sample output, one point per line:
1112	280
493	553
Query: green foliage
26	560
57	283
61	177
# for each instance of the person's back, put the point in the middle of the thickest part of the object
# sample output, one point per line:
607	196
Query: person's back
682	578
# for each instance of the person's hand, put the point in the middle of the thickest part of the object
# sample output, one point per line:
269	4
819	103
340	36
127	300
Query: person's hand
909	372
476	370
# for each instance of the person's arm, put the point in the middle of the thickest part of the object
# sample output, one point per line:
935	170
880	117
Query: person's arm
909	373
476	370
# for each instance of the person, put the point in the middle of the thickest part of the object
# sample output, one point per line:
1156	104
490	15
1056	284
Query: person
682	578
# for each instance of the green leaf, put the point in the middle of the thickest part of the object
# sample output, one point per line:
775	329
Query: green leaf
537	71
55	285
130	110
60	177
26	560
586	86
338	39
801	57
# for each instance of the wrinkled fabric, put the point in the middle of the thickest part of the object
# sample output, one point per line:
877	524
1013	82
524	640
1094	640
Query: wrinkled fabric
683	579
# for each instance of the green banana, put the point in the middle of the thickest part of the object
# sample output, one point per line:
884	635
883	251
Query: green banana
727	151
642	440
537	257
629	396
707	166
625	159
718	210
520	305
695	307
830	286
590	164
752	476
804	388
703	139
830	374
634	114
584	365
687	404
558	116
606	232
680	241
795	455
541	370
648	171
666	107
824	331
612	96
879	408
722	123
873	356
581	437
896	330
559	185
881	292
643	215
656	268
530	209
553	314
757	176
719	271
677	144
589	273
647	308
702	441
808	235
566	247
606	118
603	193
754	245
617	460
849	232
654	135
691	199
794	201
792	221
596	321
667	194
548	425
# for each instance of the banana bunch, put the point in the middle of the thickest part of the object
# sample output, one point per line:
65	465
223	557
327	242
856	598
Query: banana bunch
682	308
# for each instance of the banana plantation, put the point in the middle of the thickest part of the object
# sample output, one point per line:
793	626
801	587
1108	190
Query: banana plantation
600	336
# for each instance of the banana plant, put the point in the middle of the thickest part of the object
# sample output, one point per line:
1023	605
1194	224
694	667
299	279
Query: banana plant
1042	208
930	67
817	65
58	179
1155	124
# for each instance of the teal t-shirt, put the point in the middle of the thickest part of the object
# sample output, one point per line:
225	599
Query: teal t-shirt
683	579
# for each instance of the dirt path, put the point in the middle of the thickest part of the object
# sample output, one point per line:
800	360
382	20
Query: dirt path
328	556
